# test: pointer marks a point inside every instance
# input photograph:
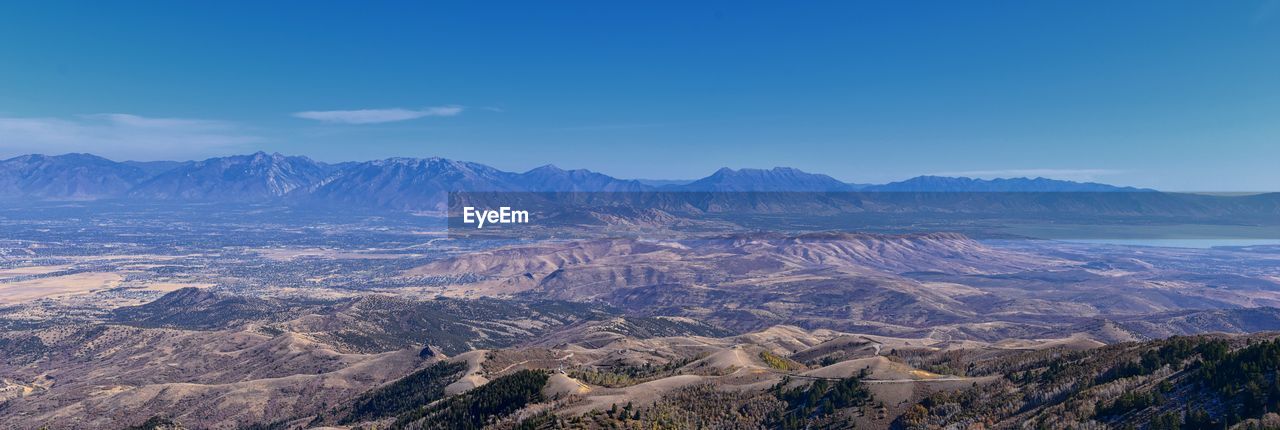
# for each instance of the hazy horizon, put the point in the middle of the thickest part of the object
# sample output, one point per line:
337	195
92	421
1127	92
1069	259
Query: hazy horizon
1030	174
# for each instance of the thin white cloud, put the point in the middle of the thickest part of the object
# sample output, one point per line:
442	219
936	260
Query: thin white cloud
1079	175
130	120
376	116
610	127
120	135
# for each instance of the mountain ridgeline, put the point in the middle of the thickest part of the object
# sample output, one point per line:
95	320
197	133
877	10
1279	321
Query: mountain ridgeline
423	184
392	182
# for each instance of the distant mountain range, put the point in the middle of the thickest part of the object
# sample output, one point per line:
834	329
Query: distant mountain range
935	184
261	175
772	180
424	183
237	178
70	176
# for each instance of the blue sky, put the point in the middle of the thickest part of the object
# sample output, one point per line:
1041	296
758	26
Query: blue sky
1167	94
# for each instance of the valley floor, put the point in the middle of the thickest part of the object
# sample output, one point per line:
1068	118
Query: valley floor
232	321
